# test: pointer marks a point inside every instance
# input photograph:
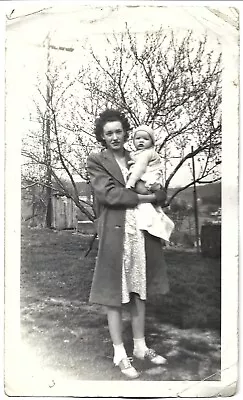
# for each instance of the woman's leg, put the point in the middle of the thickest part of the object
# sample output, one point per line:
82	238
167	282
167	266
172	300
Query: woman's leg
138	327
114	317
138	317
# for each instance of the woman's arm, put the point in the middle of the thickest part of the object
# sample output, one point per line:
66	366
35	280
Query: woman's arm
146	198
106	190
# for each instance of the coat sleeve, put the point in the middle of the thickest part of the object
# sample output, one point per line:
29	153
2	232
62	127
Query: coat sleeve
106	190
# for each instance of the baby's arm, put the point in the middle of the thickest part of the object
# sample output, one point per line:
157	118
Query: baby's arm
139	168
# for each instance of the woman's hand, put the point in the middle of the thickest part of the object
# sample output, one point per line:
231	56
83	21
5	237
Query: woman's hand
161	197
140	188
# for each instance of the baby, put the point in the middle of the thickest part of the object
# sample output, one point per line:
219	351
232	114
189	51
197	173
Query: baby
146	166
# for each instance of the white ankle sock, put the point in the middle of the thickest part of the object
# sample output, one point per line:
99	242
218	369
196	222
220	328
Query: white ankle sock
139	346
119	353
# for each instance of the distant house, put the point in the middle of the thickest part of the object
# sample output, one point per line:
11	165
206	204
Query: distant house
65	214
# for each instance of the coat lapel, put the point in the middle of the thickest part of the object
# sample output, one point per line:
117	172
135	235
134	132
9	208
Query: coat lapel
112	167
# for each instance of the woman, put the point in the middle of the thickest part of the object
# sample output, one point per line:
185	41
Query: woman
130	263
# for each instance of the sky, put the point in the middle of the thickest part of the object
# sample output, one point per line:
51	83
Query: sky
69	26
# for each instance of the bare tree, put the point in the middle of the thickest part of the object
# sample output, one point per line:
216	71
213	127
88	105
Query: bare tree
54	156
172	84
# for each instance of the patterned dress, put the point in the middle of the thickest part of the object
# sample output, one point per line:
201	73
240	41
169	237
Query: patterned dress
134	260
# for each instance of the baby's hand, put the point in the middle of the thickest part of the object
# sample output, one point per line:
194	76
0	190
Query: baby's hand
154	187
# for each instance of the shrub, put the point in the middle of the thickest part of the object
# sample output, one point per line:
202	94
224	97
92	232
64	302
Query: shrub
211	240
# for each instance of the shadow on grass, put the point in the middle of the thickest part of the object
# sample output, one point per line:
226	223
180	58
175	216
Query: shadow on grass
72	336
194	299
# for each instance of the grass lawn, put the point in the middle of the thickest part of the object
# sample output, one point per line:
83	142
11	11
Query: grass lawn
70	336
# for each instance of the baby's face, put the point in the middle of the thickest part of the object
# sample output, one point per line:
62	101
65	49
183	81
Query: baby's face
142	140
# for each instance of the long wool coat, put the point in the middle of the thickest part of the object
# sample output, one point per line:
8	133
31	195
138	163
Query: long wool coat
112	200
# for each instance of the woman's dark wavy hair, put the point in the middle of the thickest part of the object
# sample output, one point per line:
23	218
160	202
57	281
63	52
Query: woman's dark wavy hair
110	115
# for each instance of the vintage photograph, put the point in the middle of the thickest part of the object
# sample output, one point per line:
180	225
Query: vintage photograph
121	145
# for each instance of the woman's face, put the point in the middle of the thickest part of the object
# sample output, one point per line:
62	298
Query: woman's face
114	135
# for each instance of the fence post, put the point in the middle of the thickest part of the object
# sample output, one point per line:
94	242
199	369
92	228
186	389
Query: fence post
195	203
